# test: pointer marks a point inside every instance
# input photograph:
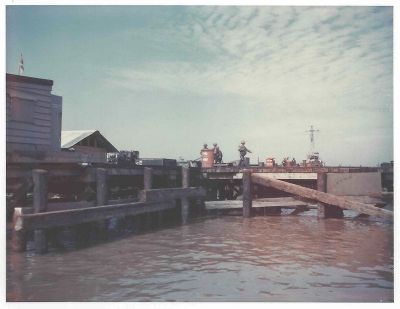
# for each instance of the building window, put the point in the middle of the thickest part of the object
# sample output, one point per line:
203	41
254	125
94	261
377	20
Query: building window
22	110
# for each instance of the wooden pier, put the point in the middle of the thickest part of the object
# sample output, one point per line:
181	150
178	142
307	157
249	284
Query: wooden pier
181	191
44	216
331	205
331	188
50	186
282	173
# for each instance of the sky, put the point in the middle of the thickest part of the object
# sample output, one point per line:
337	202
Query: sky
166	79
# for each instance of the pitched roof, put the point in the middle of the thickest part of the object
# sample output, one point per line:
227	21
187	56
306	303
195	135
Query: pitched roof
71	138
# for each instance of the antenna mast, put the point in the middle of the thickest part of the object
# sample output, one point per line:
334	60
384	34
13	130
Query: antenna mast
311	131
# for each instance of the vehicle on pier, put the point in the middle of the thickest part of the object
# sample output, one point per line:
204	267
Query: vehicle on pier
123	158
313	160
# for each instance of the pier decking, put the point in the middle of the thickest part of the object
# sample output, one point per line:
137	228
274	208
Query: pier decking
179	190
283	173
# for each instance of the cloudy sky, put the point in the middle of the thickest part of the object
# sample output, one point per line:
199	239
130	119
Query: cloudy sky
164	80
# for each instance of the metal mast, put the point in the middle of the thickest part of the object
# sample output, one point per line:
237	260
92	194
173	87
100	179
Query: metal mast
311	131
21	66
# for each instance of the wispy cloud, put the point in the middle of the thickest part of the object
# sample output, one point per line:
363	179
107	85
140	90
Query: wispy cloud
317	62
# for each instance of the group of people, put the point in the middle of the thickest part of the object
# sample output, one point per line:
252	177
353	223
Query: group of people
287	163
217	153
243	150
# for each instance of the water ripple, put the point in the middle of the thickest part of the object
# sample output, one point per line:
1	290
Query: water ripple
221	259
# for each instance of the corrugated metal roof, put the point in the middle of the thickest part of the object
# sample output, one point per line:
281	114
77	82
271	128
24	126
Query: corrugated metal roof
71	138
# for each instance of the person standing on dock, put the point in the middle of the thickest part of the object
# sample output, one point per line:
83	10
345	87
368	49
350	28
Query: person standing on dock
205	146
243	151
217	154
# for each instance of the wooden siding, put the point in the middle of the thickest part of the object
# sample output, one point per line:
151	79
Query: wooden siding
40	131
8	108
25	133
27	140
26	94
12	125
56	118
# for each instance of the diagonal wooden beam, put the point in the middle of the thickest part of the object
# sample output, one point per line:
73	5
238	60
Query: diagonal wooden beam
323	197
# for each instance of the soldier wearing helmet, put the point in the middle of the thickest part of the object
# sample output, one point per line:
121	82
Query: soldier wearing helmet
217	154
205	146
242	151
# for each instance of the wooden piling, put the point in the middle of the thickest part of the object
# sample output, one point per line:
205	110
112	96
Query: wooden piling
102	186
247	195
321	186
185	201
148	178
101	199
40	205
147	185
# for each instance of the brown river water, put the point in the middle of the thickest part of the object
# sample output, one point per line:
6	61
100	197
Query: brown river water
275	258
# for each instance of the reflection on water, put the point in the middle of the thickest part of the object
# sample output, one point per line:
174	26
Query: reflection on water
219	259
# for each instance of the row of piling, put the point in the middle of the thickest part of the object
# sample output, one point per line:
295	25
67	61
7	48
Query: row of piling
157	201
165	199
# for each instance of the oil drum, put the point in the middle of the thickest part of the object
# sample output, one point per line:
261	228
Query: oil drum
207	158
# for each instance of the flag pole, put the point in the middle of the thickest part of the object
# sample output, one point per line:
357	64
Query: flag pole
21	66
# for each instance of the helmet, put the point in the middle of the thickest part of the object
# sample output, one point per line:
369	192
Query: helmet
243	142
205	145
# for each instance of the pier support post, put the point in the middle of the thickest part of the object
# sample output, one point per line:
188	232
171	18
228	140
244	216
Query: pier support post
147	178
40	205
247	194
102	186
185	202
147	185
101	198
326	211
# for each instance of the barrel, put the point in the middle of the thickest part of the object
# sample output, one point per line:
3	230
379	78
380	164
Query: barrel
207	157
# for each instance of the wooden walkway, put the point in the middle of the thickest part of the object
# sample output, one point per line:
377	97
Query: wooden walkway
283	173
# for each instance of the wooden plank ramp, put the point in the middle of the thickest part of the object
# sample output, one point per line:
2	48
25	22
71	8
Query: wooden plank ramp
322	197
283	202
